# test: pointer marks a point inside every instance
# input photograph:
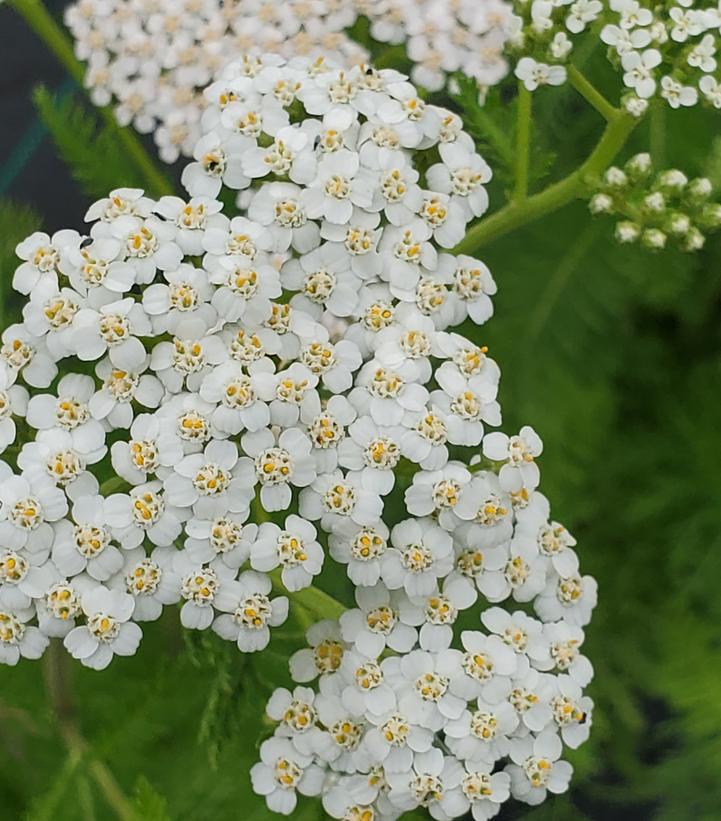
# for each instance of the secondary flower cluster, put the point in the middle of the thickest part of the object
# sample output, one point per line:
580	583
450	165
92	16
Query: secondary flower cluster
542	37
667	51
657	208
152	59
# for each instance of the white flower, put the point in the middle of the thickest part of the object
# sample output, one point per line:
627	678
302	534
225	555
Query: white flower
294	549
152	450
638	67
150	580
18	639
252	614
571	599
519	452
534	74
480	792
41	256
484	668
108	630
87	545
29	506
425	785
536	768
281	771
376	623
482	734
13	402
322	657
280	464
204	587
225	537
462	174
214	482
341	503
422	553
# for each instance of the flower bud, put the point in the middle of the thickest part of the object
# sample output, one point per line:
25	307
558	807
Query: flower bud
627	232
601	204
639	166
654	238
615	178
678	224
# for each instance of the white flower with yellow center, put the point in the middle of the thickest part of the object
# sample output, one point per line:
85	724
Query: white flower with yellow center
18	639
108	630
483	669
438	492
294	548
41	256
13	403
536	768
280	464
248	622
376	623
203	587
373	452
23	578
361	549
340	502
191	218
481	793
152	517
67	410
112	403
482	732
571	599
426	783
150	244
281	208
227	537
213	482
563	652
86	544
281	771
150	579
240	397
422	553
27	356
324	653
29	505
326	424
519	453
151	451
52	315
185	294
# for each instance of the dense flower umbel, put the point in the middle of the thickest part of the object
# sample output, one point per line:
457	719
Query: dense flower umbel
152	59
299	356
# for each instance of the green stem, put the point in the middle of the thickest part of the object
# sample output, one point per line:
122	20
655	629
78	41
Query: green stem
523	142
43	24
60	696
516	214
591	94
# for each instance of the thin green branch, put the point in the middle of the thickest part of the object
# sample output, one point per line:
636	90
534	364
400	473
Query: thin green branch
517	214
523	142
60	696
591	94
43	24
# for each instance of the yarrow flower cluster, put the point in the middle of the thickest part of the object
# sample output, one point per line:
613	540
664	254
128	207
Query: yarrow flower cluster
196	378
657	208
152	58
667	51
542	37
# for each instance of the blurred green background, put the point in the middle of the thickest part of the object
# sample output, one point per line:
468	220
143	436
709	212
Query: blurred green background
613	354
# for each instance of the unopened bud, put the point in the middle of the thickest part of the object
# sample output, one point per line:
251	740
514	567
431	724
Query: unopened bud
627	232
601	204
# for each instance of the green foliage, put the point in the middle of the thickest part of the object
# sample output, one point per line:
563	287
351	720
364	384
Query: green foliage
91	150
16	223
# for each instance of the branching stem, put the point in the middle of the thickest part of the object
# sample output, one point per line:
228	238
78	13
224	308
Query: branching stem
43	24
517	214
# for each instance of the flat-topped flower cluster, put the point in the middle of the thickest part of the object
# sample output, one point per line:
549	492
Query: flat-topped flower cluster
152	59
212	405
667	51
